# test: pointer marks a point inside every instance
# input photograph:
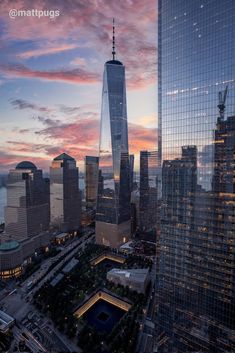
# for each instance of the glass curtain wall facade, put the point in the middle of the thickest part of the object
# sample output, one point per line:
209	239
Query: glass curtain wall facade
113	203
64	194
28	202
91	183
196	283
148	190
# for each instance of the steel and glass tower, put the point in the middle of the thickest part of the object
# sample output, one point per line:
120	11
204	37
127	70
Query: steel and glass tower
196	283
64	194
113	202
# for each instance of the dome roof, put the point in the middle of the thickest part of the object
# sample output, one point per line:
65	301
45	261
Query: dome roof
26	165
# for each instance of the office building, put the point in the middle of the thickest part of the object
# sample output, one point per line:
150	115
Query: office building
132	162
64	194
148	202
27	217
91	181
113	225
28	211
196	305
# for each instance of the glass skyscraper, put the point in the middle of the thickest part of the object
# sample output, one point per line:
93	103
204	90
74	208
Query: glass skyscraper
28	202
148	190
91	183
64	194
196	282
113	204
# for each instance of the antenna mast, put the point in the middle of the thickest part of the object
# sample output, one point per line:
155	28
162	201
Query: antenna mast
113	52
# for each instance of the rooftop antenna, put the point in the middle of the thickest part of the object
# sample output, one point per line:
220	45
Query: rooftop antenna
222	100
113	52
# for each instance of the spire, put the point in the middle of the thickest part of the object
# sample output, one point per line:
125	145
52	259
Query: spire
113	52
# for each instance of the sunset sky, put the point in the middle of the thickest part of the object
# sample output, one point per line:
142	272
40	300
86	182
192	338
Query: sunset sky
51	77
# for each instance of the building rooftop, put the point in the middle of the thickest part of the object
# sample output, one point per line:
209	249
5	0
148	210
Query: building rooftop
61	235
5	321
57	279
26	165
114	62
63	157
70	265
10	245
136	275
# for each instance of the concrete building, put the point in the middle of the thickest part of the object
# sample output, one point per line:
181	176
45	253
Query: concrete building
15	255
65	198
136	279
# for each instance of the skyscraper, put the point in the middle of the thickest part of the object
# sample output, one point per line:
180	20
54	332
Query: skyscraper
148	190
113	206
65	195
132	162
28	211
91	180
196	280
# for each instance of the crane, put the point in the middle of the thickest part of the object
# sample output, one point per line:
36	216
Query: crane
222	100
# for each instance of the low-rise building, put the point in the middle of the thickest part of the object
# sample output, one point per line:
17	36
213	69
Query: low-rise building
136	279
6	322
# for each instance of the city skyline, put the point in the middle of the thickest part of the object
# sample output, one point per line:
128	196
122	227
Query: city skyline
47	83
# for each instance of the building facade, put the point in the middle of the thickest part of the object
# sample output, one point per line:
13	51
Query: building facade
28	202
148	202
196	282
64	194
113	225
91	181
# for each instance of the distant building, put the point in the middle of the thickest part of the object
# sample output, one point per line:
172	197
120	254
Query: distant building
27	217
136	279
28	211
148	201
132	163
65	196
91	180
113	218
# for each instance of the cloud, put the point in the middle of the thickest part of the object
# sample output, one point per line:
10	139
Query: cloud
76	76
23	104
79	139
46	51
141	138
90	24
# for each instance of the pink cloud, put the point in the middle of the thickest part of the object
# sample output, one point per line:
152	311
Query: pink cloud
76	76
46	51
89	23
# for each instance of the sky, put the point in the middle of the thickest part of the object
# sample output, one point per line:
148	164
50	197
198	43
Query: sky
51	77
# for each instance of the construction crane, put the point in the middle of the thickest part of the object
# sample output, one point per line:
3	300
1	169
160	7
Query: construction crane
222	100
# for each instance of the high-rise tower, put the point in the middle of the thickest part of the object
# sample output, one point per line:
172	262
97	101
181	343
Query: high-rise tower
196	282
113	204
91	181
65	195
28	211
